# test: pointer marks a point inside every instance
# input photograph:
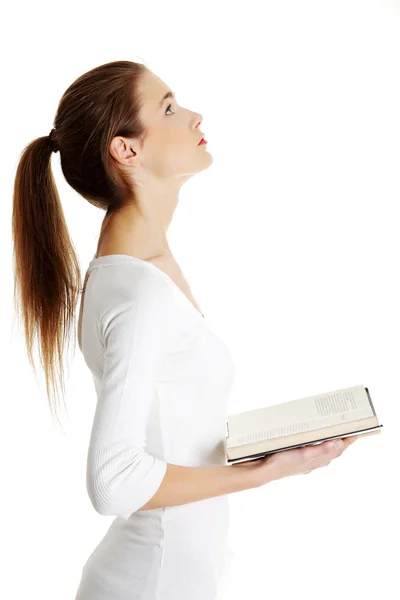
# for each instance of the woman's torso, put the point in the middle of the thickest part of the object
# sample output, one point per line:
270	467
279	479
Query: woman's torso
190	400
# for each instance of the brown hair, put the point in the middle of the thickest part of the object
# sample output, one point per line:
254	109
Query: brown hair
99	105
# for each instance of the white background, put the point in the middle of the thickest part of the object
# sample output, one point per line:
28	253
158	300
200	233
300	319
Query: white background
290	242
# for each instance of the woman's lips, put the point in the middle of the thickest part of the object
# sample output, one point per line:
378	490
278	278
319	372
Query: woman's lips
202	141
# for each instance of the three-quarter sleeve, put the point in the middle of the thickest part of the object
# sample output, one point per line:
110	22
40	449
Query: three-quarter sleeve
121	475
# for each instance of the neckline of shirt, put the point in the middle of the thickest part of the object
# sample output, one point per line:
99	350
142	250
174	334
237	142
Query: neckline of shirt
115	258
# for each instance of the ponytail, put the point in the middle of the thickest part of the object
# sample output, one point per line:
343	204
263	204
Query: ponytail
47	274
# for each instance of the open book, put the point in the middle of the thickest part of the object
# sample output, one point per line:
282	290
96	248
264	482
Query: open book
312	420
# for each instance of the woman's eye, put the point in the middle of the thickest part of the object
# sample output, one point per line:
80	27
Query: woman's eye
168	107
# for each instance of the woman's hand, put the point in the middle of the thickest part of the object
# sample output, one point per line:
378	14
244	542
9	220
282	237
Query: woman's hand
297	461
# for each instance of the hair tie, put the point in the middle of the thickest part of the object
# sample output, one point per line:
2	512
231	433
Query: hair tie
53	142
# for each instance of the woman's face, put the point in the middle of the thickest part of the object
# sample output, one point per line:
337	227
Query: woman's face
170	149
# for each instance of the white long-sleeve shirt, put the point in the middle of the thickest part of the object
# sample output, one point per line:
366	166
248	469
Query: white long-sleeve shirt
162	380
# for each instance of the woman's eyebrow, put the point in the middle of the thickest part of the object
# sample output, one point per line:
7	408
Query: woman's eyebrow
167	95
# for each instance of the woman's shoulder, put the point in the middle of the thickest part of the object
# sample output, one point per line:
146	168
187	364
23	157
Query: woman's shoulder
119	286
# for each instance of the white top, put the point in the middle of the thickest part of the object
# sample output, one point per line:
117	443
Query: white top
162	380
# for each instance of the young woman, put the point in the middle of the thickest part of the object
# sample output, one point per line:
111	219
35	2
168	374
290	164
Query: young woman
156	457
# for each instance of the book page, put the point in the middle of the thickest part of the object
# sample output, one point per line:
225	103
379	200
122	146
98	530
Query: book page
299	416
